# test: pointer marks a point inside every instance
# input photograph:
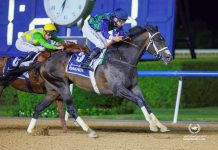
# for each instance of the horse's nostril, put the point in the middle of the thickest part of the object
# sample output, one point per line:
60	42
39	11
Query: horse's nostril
169	58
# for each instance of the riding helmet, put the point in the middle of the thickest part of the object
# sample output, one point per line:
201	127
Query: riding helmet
50	28
120	14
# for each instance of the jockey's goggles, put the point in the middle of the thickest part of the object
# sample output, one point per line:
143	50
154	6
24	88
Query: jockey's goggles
51	33
119	20
116	20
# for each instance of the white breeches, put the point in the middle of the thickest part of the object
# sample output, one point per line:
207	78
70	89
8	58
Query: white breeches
95	37
27	47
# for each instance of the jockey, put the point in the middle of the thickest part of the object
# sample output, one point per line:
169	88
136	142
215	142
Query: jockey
96	30
36	40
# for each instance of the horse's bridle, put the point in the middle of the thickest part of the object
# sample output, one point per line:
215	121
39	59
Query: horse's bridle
151	41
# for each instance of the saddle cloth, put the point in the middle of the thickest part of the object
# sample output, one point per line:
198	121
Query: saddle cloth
75	62
77	59
11	64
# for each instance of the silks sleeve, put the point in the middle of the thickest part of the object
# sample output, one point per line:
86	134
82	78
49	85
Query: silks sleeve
120	31
104	29
38	36
57	39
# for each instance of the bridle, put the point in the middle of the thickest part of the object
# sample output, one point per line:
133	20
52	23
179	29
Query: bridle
151	42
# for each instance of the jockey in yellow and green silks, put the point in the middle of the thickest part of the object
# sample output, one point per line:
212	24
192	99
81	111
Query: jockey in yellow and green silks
36	40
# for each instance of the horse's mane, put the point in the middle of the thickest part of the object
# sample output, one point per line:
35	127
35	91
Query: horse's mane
151	28
132	33
136	31
141	29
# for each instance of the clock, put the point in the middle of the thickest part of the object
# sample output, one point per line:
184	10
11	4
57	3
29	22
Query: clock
68	12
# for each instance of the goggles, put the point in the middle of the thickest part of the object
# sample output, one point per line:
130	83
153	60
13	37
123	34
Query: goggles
51	33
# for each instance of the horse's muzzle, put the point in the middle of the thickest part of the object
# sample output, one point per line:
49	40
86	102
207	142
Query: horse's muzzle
167	59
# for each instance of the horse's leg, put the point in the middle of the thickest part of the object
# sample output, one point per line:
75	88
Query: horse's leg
50	96
122	91
1	89
67	97
66	113
61	114
150	117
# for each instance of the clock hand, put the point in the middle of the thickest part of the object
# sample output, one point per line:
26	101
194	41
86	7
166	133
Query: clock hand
63	5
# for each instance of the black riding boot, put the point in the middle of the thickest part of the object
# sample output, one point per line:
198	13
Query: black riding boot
27	58
93	54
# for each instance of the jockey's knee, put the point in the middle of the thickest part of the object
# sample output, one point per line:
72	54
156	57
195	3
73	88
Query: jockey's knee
39	49
100	45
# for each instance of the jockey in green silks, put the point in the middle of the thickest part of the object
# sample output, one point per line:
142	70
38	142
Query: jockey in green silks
36	40
96	29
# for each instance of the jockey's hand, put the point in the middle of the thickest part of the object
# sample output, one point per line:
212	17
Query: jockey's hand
61	47
117	38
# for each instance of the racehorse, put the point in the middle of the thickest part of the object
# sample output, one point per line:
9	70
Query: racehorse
35	84
116	76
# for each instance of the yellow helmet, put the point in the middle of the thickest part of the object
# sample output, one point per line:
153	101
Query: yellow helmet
50	27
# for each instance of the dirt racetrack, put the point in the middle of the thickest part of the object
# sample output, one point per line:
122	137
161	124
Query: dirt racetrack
112	135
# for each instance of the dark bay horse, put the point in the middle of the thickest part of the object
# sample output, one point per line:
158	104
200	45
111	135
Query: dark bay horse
36	82
116	76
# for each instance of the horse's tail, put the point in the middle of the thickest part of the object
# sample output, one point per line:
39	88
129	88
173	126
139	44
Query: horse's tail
12	75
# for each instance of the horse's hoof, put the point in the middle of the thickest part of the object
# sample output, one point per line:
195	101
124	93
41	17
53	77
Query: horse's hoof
92	133
153	128
164	129
29	131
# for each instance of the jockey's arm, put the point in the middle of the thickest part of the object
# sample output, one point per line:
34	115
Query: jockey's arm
38	36
120	31
57	39
116	38
108	43
104	29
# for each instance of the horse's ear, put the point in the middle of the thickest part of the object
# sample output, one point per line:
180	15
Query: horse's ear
147	27
156	28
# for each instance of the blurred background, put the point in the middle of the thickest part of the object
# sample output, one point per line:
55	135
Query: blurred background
190	30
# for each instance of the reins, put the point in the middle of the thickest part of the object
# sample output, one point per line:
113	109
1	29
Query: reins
126	63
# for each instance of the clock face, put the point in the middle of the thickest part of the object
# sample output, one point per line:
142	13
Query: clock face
65	12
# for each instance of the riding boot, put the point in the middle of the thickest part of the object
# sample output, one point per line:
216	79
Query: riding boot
93	54
27	58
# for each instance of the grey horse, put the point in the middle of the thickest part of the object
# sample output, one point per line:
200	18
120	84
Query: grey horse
116	76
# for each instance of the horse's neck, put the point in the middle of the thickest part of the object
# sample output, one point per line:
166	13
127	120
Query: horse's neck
131	52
